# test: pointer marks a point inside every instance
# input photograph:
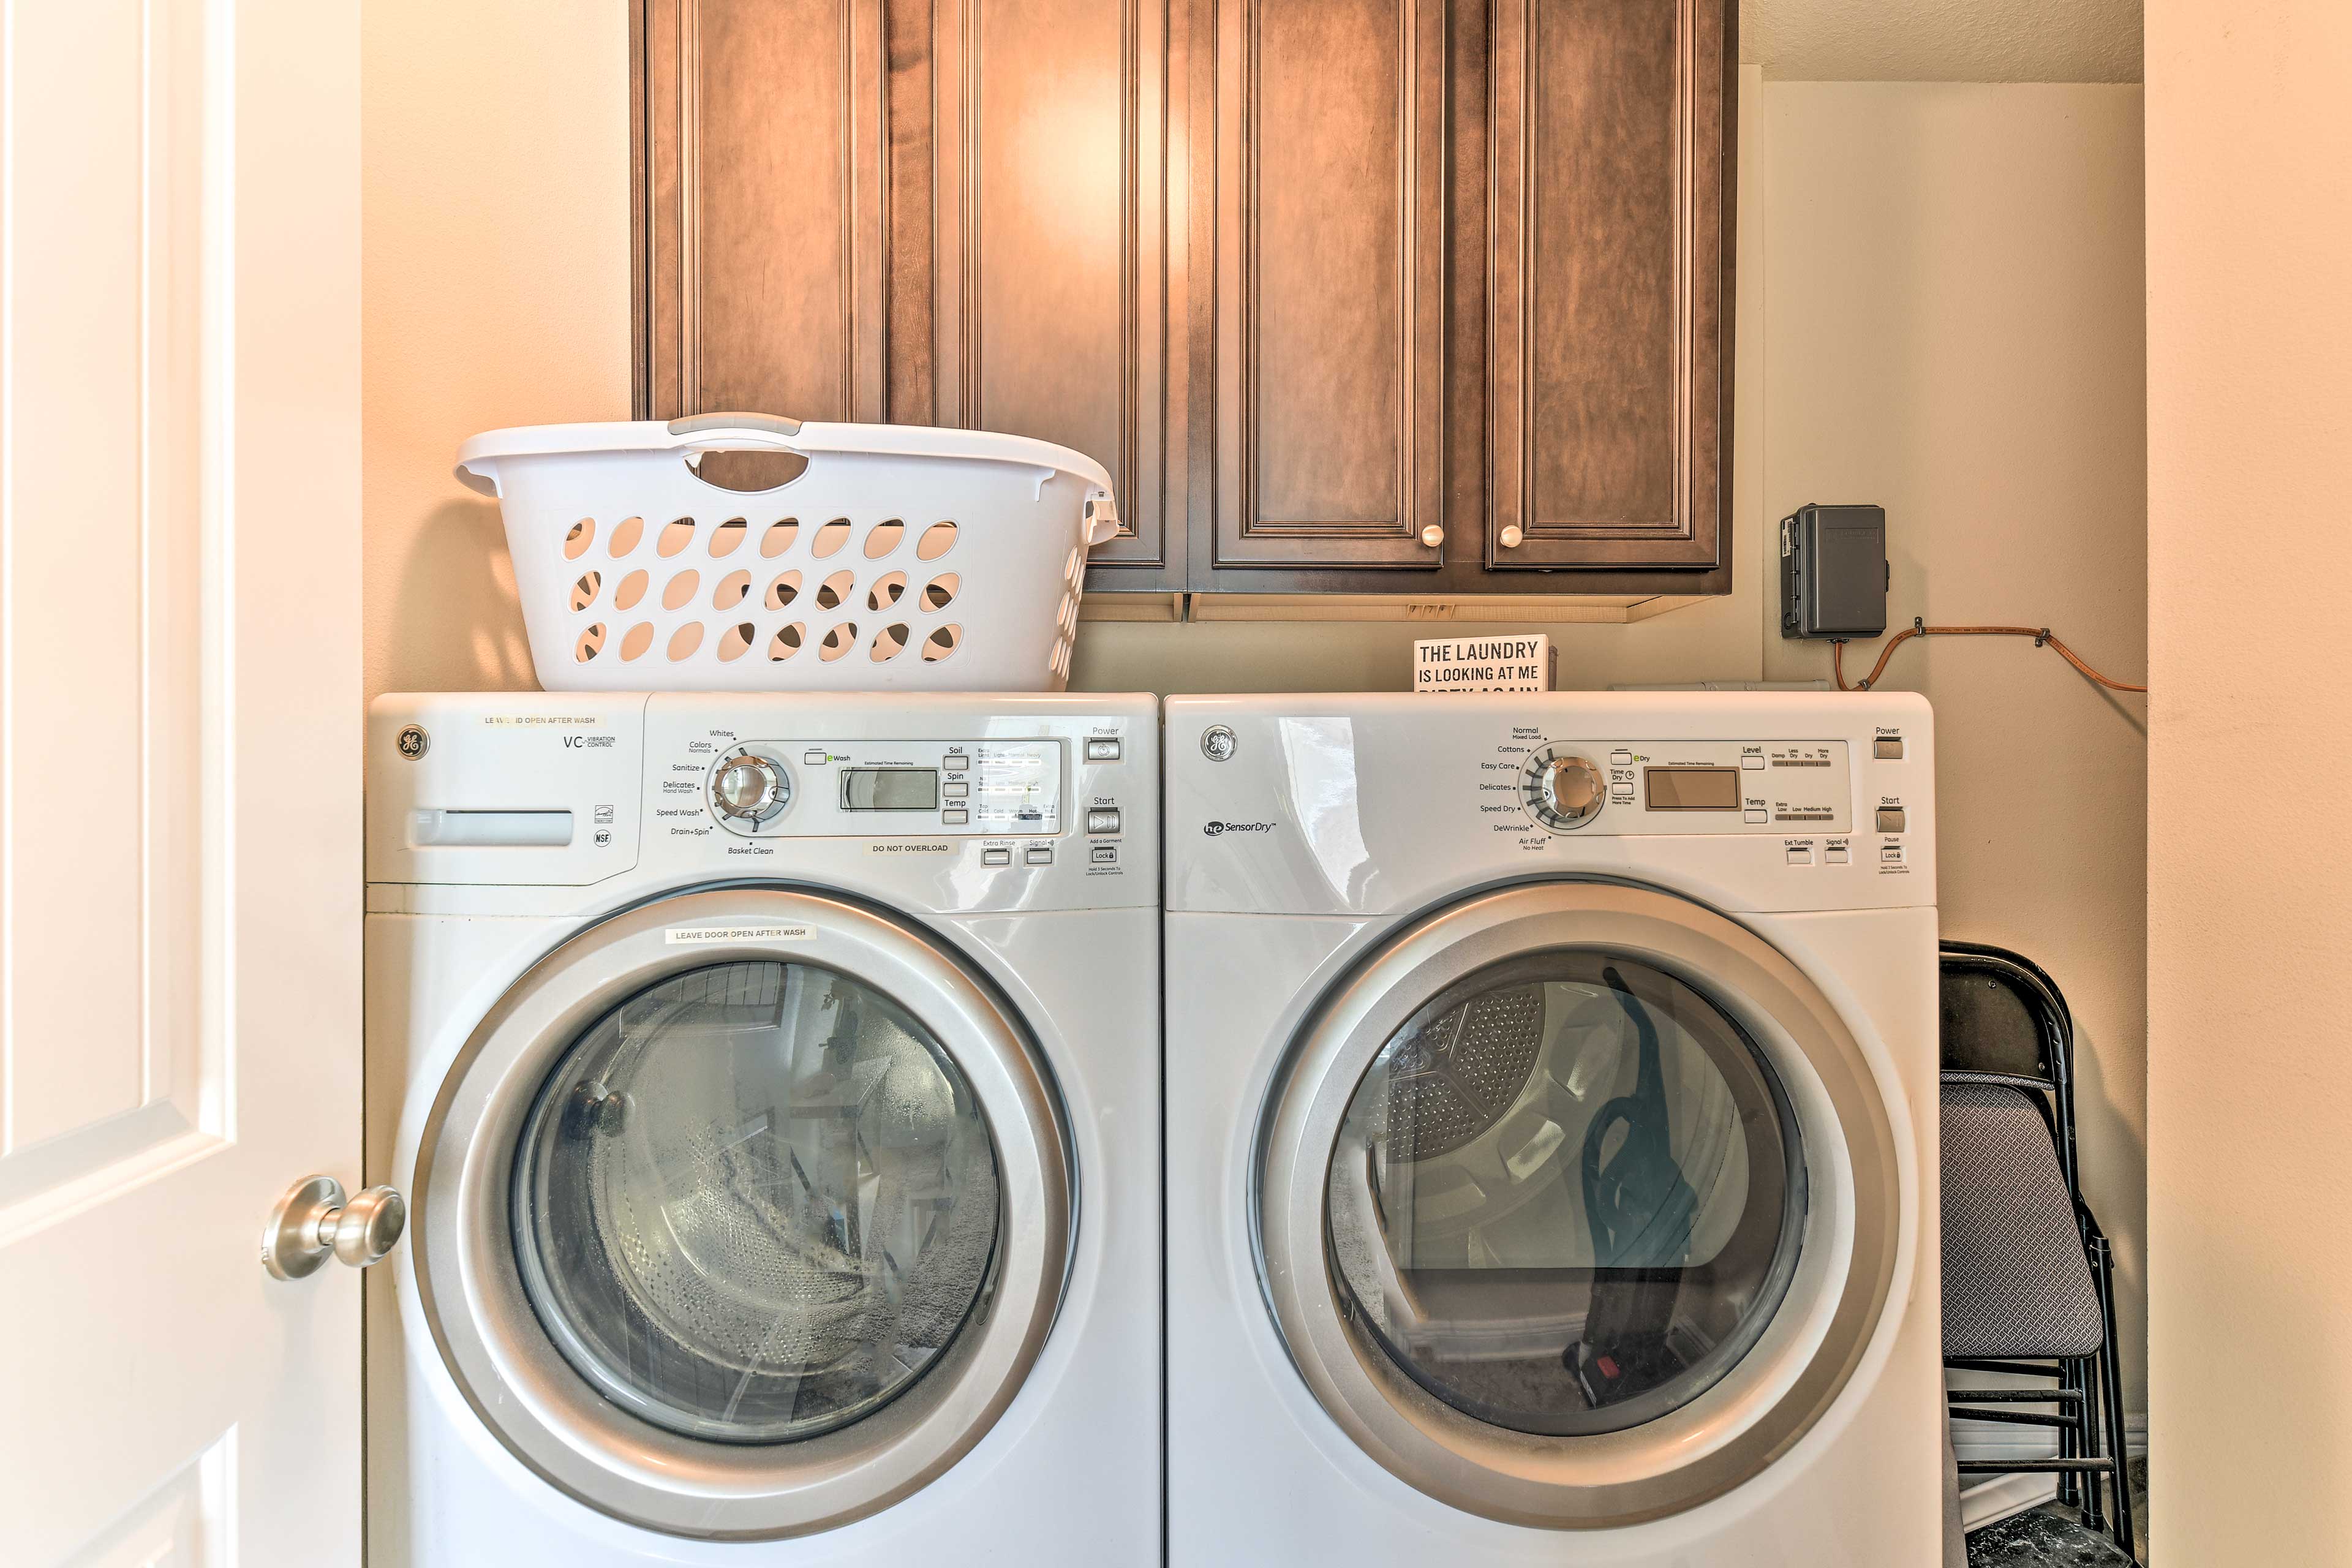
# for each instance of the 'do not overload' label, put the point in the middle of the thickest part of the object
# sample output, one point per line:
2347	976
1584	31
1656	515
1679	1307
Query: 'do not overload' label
703	936
1442	665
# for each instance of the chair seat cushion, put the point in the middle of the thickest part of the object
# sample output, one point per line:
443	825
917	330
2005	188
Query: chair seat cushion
2016	1282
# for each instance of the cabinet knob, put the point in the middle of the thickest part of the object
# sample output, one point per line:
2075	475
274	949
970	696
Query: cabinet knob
1433	536
1511	535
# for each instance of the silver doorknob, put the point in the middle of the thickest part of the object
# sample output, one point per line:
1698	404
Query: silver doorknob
313	1221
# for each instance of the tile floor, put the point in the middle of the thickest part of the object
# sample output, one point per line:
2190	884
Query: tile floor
2052	1537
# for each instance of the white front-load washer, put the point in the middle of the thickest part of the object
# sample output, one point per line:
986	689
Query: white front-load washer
774	1081
1551	1120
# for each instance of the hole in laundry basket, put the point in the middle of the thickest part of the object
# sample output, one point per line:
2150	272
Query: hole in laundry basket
786	642
836	590
731	590
674	537
736	641
887	592
583	534
783	591
590	643
941	591
728	536
681	588
629	590
636	639
1067	615
624	537
943	641
838	641
937	541
1070	569
888	641
883	538
746	472
830	538
779	537
685	640
584	591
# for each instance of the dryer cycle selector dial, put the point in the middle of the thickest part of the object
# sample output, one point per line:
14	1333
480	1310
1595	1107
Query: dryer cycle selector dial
1564	790
749	787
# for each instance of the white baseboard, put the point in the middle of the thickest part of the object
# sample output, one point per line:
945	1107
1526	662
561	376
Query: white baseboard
1991	1499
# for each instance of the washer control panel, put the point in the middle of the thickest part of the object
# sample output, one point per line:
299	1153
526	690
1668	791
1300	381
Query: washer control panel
1688	786
887	789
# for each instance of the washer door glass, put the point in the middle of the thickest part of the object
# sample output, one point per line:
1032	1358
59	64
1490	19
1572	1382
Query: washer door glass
1568	1196
755	1202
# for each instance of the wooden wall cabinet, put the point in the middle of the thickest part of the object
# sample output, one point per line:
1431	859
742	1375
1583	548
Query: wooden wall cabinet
1423	303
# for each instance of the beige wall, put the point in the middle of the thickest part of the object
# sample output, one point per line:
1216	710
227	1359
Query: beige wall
495	235
2250	930
1939	301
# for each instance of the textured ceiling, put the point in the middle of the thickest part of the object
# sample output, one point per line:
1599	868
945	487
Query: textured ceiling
1942	40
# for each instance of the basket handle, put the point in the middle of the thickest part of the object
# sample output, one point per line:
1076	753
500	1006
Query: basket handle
721	432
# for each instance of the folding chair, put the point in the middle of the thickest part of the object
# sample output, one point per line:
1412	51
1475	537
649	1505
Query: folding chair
2027	1275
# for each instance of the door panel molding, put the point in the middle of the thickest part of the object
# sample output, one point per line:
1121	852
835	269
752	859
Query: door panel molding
1313	466
1606	392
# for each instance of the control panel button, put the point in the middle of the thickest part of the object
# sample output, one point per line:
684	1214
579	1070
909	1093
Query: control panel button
1620	759
1801	856
955	789
1888	748
1039	855
1104	853
955	819
1102	820
1100	750
1890	819
1751	764
814	759
1756	814
1891	853
954	764
1836	855
996	856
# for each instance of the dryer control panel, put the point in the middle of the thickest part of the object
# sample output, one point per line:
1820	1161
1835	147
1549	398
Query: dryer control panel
1680	786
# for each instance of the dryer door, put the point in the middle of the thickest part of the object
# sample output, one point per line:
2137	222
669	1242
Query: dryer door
744	1215
1578	1205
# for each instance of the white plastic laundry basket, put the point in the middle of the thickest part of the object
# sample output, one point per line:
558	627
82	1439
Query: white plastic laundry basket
903	558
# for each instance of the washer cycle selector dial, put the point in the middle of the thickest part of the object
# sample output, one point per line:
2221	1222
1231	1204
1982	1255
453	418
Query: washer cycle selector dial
749	787
1564	790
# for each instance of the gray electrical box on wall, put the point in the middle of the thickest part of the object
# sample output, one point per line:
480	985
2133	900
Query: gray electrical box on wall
1834	572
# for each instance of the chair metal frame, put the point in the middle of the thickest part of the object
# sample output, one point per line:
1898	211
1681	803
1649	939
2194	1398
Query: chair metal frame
2085	1384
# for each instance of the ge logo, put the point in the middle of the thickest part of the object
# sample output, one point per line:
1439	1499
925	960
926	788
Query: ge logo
414	741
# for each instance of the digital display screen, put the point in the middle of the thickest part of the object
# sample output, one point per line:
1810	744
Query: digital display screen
1691	789
890	789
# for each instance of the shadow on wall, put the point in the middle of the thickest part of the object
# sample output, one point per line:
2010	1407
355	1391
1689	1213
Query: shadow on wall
461	622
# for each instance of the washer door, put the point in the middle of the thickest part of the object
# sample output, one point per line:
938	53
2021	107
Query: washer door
744	1215
1578	1205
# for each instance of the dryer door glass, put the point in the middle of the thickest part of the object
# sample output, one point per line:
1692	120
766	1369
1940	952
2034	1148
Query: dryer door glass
755	1202
1568	1196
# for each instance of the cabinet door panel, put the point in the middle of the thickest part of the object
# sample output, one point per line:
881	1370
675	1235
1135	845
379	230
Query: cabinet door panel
1607	279
1329	336
1056	270
764	215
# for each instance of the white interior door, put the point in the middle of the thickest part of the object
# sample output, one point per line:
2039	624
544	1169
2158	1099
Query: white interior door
179	775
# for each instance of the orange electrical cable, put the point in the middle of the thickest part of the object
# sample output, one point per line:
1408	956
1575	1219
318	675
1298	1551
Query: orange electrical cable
2040	634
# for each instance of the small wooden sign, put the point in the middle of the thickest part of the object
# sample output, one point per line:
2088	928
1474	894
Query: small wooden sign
1444	666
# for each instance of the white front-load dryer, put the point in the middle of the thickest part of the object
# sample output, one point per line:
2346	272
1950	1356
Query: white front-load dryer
774	1081
1551	1131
